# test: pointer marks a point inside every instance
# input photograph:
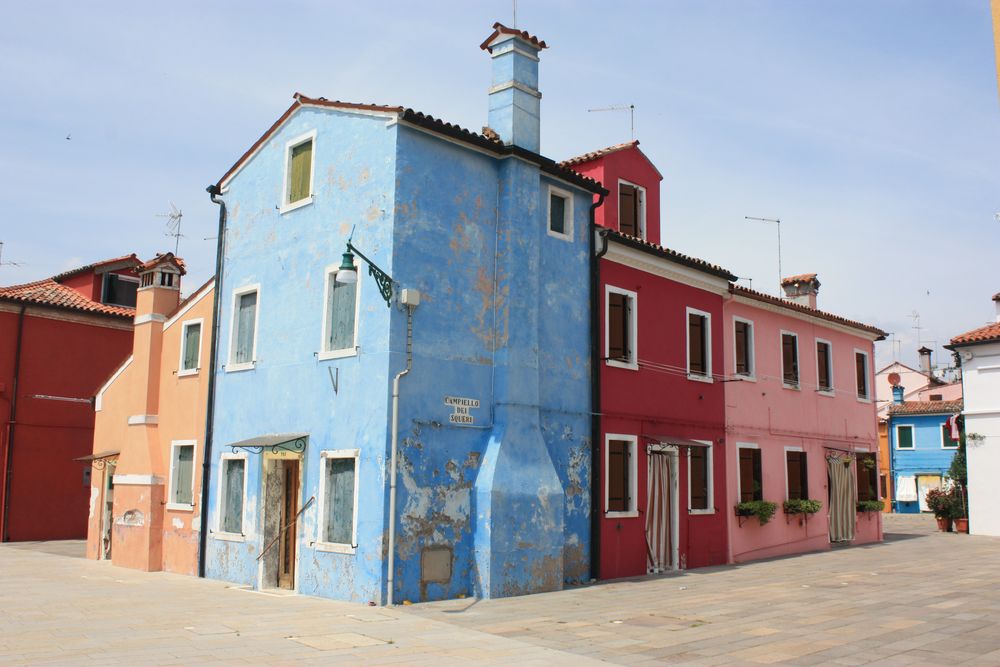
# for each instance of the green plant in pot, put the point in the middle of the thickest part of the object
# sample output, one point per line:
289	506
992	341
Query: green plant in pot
802	506
941	503
762	509
870	505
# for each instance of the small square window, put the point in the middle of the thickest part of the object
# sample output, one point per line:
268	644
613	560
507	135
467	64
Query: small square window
904	436
946	440
560	214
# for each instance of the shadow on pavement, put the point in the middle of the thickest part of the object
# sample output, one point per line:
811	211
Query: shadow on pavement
67	548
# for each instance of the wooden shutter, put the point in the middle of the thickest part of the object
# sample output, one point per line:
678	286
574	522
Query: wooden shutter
823	364
798	478
946	436
698	461
618	476
904	437
301	167
789	359
861	372
742	351
696	344
618	333
867	476
628	209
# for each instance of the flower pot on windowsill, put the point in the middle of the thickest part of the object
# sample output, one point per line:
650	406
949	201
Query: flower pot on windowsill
803	507
869	507
962	525
762	509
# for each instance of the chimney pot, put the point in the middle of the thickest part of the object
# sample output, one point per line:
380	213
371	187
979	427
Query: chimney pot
897	394
801	289
925	360
515	102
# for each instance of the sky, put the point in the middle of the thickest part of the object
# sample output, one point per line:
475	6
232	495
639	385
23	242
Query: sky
870	128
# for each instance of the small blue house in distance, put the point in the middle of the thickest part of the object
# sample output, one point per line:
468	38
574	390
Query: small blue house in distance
920	448
403	407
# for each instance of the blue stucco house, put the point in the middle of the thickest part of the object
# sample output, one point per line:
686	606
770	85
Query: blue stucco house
920	448
407	417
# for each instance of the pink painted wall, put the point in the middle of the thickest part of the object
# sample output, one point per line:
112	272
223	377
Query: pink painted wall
773	417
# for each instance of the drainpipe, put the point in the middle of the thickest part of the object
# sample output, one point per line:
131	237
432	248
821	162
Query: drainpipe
395	448
206	464
12	422
596	362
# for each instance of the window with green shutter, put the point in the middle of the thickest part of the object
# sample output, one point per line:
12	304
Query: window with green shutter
904	436
300	172
191	342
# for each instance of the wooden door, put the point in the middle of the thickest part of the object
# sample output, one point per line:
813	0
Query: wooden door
289	509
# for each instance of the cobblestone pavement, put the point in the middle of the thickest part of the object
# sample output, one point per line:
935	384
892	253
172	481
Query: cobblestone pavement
922	598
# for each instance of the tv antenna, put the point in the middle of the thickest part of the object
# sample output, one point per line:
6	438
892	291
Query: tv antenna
173	225
7	263
916	326
777	223
621	107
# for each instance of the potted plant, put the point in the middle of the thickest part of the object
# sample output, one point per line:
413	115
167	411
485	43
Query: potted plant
959	510
940	503
869	506
803	507
762	509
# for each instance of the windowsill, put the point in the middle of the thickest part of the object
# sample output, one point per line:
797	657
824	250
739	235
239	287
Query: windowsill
333	548
236	368
950	449
864	400
829	393
905	449
188	372
180	507
560	235
794	387
746	378
621	515
338	354
703	512
230	537
294	205
614	363
700	378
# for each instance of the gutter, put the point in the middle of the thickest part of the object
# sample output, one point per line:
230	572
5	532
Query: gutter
206	463
596	360
390	579
11	423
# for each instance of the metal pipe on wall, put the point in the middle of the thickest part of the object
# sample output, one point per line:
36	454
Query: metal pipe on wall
395	447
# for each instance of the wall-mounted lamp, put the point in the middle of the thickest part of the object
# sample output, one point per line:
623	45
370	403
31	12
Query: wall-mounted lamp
348	273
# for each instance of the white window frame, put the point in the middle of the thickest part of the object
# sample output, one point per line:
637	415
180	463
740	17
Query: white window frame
913	437
633	470
287	206
171	485
321	544
829	368
710	461
642	206
567	212
688	312
798	359
868	376
323	353
232	366
219	501
941	429
784	463
633	330
200	321
739	479
751	352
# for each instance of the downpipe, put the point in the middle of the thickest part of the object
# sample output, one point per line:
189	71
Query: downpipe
596	363
394	453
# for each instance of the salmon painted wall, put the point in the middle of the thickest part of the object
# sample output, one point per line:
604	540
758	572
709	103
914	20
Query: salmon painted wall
765	413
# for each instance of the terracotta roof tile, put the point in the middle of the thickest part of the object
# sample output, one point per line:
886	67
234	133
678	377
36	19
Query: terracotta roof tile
48	292
127	259
801	278
672	255
986	334
501	29
163	258
791	305
600	152
926	407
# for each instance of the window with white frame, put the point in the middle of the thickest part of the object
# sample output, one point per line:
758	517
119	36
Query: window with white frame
339	499
861	374
744	352
340	316
181	491
620	470
620	335
700	491
232	492
751	479
789	359
243	350
699	345
631	209
904	436
824	366
190	347
299	167
560	213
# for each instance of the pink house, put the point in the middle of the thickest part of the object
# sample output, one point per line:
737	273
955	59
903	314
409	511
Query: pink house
800	421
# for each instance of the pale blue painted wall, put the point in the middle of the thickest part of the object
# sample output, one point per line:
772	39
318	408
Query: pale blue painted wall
927	456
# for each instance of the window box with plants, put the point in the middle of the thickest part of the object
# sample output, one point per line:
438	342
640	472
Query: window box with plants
803	507
762	509
869	507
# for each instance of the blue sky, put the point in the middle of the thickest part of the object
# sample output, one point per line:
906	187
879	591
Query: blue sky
870	128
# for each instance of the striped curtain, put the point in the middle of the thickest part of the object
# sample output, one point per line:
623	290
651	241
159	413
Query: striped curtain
843	491
658	512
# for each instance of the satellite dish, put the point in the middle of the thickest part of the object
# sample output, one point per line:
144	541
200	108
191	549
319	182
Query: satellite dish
894	379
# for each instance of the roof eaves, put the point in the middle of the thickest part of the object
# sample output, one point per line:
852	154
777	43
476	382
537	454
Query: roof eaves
821	314
671	255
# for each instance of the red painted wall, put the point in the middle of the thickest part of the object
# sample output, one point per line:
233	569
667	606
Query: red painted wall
632	166
48	497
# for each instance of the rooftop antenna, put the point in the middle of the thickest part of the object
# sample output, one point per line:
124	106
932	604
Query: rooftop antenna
777	223
621	107
8	263
514	20
916	326
173	225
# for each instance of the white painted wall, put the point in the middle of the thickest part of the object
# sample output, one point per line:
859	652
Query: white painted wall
981	389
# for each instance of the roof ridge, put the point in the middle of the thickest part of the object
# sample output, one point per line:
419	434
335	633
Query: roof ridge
815	312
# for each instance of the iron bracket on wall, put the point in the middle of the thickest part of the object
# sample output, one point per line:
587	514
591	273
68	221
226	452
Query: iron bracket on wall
295	445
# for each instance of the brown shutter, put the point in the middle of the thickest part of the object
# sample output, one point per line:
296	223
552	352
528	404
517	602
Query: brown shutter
618	473
741	349
862	374
696	344
823	364
751	481
628	204
867	476
798	477
789	365
758	476
618	333
699	478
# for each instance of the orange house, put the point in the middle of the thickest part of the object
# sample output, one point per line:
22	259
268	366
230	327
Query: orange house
149	432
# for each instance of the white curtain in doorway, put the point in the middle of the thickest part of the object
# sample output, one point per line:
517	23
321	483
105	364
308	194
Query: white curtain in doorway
658	512
843	492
